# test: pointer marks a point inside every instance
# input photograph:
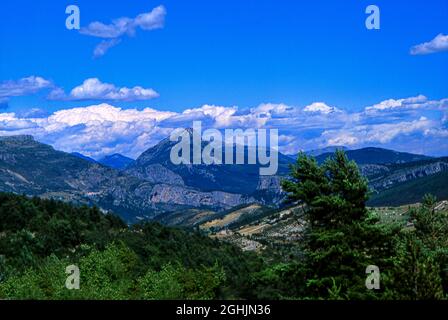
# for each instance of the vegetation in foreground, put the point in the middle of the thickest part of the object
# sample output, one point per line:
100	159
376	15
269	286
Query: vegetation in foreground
40	238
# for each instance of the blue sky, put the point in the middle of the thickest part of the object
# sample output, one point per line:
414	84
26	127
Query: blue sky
235	53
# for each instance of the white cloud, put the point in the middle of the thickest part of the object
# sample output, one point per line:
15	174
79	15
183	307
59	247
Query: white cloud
320	107
94	89
23	86
7	116
418	102
90	89
106	113
377	133
102	129
155	19
438	44
151	20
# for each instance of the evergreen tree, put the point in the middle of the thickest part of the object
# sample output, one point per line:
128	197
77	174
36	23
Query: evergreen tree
341	237
421	256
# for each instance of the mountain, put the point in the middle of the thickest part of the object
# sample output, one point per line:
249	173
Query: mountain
397	178
154	188
155	166
330	149
116	161
81	156
318	152
405	183
36	169
376	156
412	191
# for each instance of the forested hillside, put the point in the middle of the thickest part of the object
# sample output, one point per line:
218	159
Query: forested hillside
40	238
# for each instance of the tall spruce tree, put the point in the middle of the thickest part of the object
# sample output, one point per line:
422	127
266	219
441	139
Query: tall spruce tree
341	237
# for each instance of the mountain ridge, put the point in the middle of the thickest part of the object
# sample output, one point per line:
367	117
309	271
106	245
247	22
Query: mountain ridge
36	169
152	186
375	155
116	161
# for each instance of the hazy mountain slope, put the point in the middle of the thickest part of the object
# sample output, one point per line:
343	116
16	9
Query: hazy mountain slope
81	156
116	161
330	149
377	156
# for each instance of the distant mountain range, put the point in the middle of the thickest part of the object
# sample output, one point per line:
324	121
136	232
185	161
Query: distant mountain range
116	161
151	187
36	169
376	156
81	156
330	149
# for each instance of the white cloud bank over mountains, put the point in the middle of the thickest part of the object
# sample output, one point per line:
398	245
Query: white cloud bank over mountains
414	124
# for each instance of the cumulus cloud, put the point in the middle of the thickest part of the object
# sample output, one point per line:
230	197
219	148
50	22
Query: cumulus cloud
106	113
102	129
94	89
23	86
320	107
377	133
391	104
416	103
90	89
155	19
438	44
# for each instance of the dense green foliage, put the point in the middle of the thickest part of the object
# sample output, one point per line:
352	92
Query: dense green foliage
40	238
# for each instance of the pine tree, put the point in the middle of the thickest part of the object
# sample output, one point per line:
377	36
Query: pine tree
341	238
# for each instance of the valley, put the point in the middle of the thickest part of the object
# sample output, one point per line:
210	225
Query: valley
152	188
280	231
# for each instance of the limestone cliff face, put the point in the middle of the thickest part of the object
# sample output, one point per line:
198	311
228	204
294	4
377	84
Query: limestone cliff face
163	193
387	176
156	173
